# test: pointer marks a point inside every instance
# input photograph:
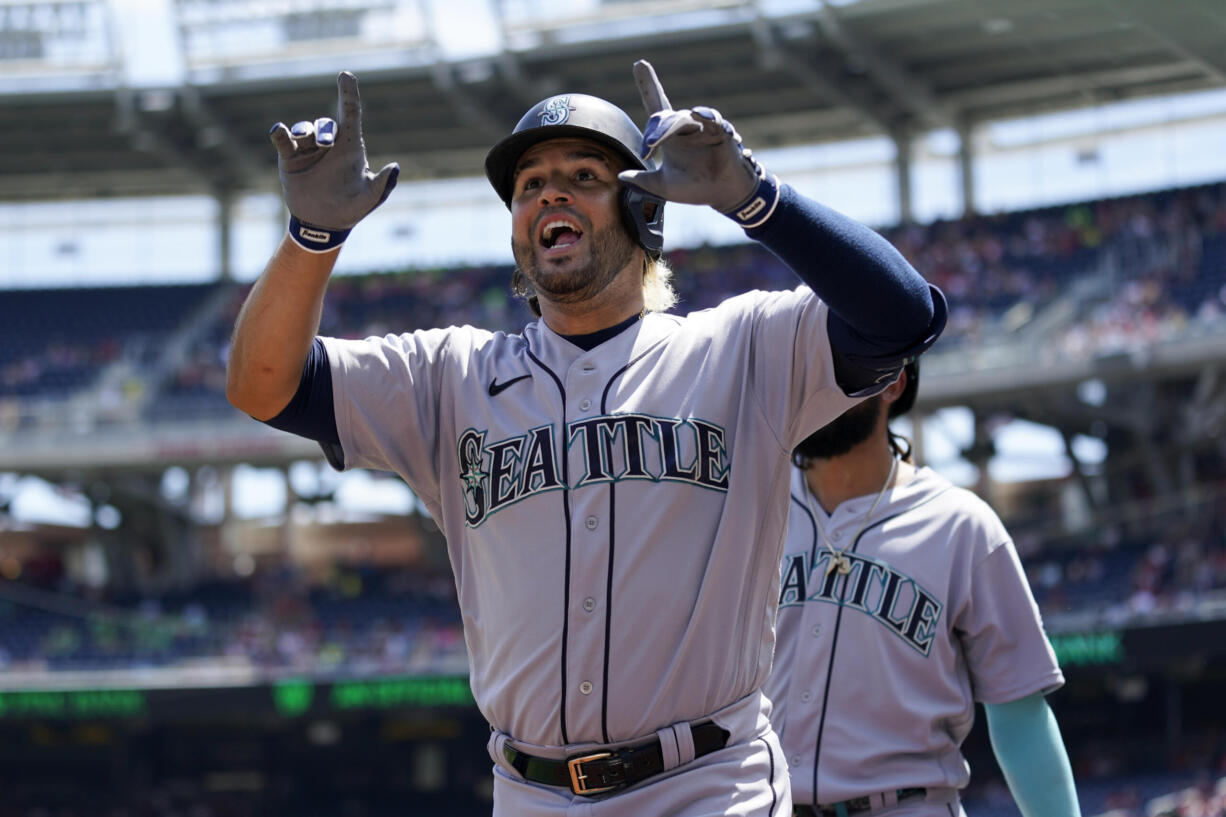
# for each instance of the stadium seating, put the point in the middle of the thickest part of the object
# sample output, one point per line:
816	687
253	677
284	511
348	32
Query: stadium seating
1163	256
53	342
1160	258
363	622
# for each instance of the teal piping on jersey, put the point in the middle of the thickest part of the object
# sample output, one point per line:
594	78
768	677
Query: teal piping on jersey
1026	740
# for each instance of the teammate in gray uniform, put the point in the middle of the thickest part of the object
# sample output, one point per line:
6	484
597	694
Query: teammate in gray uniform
612	481
902	603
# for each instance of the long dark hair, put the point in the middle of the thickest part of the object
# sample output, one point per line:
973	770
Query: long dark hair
900	444
850	428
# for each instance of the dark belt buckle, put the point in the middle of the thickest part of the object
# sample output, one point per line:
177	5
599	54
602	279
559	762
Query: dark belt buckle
578	780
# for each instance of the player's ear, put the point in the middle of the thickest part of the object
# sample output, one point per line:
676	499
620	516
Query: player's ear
894	390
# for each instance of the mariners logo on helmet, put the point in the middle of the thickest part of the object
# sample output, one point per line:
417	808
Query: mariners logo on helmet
556	111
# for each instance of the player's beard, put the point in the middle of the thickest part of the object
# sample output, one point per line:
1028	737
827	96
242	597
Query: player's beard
609	251
844	432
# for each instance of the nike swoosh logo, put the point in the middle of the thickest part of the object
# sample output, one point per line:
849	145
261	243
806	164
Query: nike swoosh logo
496	387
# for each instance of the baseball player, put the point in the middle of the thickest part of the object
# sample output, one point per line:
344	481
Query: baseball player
611	481
902	603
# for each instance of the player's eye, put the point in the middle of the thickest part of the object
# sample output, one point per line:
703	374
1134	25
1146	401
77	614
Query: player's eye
529	183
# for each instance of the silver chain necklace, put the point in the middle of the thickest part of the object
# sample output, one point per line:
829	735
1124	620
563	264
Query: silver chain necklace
838	559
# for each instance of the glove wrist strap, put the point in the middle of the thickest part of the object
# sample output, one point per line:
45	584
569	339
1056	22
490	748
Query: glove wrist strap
315	239
760	206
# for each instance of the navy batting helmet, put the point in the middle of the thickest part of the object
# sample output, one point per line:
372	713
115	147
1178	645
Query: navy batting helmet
907	399
584	117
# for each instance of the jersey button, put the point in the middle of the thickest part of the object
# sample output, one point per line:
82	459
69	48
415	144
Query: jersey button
591	523
586	687
817	630
795	761
806	696
585	404
837	536
589	604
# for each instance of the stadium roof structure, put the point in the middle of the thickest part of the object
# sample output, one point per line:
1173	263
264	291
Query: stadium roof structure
822	71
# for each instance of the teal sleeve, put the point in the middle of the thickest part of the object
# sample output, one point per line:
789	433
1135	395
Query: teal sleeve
1026	740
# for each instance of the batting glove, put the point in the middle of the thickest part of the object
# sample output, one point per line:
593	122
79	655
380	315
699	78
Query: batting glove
327	184
702	159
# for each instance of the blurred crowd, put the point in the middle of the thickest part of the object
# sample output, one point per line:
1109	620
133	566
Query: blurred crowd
1143	269
1150	795
363	620
360	620
1154	794
1161	254
1167	564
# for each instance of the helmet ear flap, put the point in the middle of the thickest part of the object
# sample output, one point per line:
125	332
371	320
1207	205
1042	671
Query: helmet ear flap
907	399
643	215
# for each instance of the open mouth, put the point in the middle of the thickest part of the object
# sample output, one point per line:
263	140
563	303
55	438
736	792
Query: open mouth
560	233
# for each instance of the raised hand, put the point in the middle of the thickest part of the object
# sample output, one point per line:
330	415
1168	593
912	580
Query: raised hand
327	184
700	155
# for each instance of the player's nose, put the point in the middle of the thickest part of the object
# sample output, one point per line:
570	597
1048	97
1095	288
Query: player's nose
555	188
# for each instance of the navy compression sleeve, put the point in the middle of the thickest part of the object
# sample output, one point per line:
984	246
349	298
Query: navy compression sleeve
311	412
882	312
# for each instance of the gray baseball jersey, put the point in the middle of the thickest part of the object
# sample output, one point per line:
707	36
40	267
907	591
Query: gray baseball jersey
614	517
877	671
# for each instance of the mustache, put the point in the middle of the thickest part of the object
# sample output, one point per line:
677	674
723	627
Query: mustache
553	211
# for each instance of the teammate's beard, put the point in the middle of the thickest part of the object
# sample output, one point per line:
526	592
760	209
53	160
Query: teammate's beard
609	251
843	433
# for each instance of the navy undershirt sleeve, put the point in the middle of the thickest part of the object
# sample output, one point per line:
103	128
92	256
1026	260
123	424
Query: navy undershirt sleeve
883	313
311	412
